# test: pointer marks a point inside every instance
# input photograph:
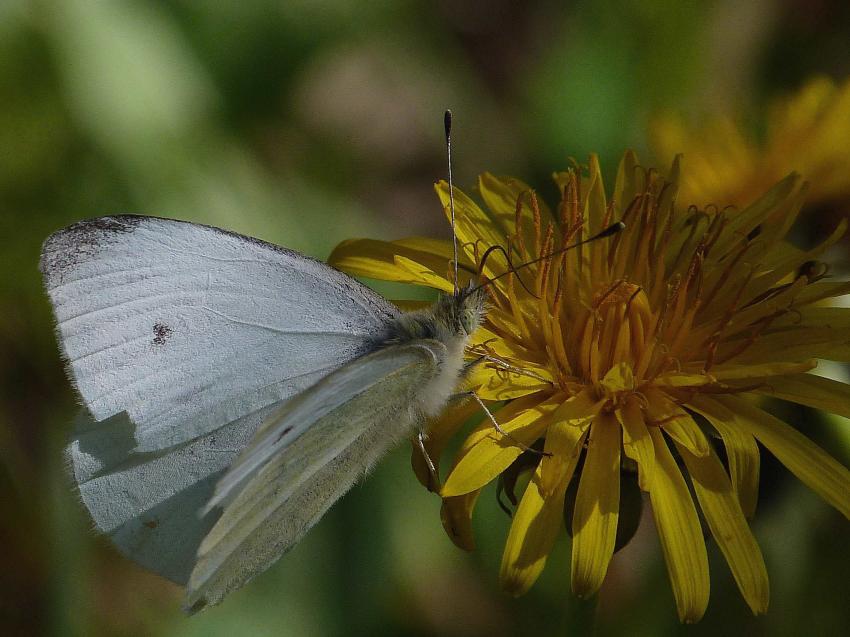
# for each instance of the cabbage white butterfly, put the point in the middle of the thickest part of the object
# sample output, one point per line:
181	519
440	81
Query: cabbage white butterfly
233	390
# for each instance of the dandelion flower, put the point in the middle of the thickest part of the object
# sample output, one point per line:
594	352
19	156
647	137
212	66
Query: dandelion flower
806	132
645	352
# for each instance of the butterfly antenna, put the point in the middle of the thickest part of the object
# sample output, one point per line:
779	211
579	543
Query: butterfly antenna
447	123
504	252
610	231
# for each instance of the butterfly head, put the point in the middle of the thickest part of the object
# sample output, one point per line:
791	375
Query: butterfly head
463	311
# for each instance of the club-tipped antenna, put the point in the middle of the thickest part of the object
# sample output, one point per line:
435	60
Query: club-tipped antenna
498	248
610	231
447	124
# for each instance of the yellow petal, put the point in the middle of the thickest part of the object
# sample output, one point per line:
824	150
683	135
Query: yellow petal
507	414
563	438
474	227
746	220
441	248
597	507
732	371
637	442
789	261
505	323
662	412
492	381
811	464
596	207
376	259
719	504
501	195
812	391
814	316
533	532
625	188
420	275
490	452
679	379
619	378
680	534
776	301
484	341
741	450
456	515
688	434
794	345
820	290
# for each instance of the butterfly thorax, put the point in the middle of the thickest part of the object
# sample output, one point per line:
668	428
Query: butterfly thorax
450	321
452	316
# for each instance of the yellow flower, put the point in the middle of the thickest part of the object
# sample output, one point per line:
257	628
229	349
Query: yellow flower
806	132
646	351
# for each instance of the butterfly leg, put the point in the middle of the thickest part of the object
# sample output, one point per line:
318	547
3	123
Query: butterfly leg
489	358
496	424
432	469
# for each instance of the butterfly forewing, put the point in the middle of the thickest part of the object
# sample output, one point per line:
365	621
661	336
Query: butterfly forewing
187	327
182	339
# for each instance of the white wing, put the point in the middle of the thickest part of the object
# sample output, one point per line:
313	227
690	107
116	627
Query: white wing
148	503
349	420
182	339
187	328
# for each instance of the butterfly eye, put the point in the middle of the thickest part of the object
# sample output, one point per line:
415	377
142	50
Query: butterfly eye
468	320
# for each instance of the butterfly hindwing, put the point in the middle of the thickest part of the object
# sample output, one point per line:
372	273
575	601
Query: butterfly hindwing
284	494
148	504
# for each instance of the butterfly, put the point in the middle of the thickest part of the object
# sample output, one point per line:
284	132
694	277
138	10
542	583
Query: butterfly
233	390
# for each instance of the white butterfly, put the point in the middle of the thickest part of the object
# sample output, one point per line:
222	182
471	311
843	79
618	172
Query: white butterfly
233	389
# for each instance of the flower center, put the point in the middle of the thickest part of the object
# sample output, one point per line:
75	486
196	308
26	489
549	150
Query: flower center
610	332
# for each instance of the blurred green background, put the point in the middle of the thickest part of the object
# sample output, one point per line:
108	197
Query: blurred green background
305	123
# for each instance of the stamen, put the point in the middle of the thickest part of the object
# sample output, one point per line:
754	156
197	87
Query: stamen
609	323
519	224
758	331
516	308
664	206
684	249
595	374
640	261
726	319
537	220
617	256
725	274
543	272
564	211
562	358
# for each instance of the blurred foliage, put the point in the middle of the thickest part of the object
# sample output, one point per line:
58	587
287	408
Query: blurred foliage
306	123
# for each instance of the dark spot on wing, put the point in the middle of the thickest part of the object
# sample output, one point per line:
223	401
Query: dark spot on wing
283	433
151	524
161	332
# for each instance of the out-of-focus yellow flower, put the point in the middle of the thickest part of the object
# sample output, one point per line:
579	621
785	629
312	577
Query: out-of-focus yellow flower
639	353
808	132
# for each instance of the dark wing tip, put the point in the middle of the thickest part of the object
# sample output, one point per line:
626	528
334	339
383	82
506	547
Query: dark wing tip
79	241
